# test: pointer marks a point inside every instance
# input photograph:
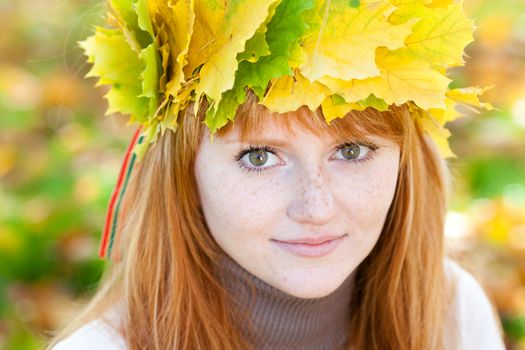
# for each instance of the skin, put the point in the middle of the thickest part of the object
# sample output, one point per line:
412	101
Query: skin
307	189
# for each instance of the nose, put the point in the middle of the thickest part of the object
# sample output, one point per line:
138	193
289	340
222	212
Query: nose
313	202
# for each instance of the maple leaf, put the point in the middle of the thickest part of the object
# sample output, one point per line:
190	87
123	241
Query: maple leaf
407	78
174	22
238	21
374	102
341	55
343	43
150	75
255	48
118	65
281	36
404	77
468	97
336	107
220	114
438	3
353	90
124	11
436	131
288	93
441	34
143	16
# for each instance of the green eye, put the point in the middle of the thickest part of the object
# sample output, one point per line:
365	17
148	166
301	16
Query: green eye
354	152
258	157
350	151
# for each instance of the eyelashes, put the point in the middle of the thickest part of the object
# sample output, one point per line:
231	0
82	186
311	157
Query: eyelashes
269	152
253	148
352	153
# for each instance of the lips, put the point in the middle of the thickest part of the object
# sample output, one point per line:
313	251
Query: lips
310	247
311	240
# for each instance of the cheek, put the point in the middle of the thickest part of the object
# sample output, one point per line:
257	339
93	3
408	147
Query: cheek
233	203
365	196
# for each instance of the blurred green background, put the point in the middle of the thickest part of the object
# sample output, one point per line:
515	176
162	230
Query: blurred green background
59	159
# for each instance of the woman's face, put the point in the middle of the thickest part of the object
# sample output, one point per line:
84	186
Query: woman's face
298	211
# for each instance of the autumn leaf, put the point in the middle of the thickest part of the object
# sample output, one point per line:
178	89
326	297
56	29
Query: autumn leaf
288	93
437	132
220	114
336	107
125	14
281	36
353	90
119	66
255	48
143	17
174	25
468	97
237	22
374	102
339	55
150	75
407	78
403	78
441	34
342	44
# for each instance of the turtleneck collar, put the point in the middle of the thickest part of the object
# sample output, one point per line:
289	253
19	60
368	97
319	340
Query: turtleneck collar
273	319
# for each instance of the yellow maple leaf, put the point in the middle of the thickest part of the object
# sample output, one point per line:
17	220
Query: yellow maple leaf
468	97
231	26
353	90
447	114
404	78
441	34
174	22
335	107
439	135
343	43
438	3
209	17
288	93
408	78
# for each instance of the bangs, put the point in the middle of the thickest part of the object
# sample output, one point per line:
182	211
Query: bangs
252	117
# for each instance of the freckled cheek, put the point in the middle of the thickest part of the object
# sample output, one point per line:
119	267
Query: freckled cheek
240	205
366	198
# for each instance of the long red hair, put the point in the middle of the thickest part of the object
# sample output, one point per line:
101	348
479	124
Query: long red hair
165	280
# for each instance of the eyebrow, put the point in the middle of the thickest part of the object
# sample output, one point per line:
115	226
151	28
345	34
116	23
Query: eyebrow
274	142
262	141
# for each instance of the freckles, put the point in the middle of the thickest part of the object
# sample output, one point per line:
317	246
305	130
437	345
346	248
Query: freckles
369	195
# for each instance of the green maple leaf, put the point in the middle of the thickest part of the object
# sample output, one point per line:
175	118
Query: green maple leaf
255	48
125	13
282	37
119	66
150	75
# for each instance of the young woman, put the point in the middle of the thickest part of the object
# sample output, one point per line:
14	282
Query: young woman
281	229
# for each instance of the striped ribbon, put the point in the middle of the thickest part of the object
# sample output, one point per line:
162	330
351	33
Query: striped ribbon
112	215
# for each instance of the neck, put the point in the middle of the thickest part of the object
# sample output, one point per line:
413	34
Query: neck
273	319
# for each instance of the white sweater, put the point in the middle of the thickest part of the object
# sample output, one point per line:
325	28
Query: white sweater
471	318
